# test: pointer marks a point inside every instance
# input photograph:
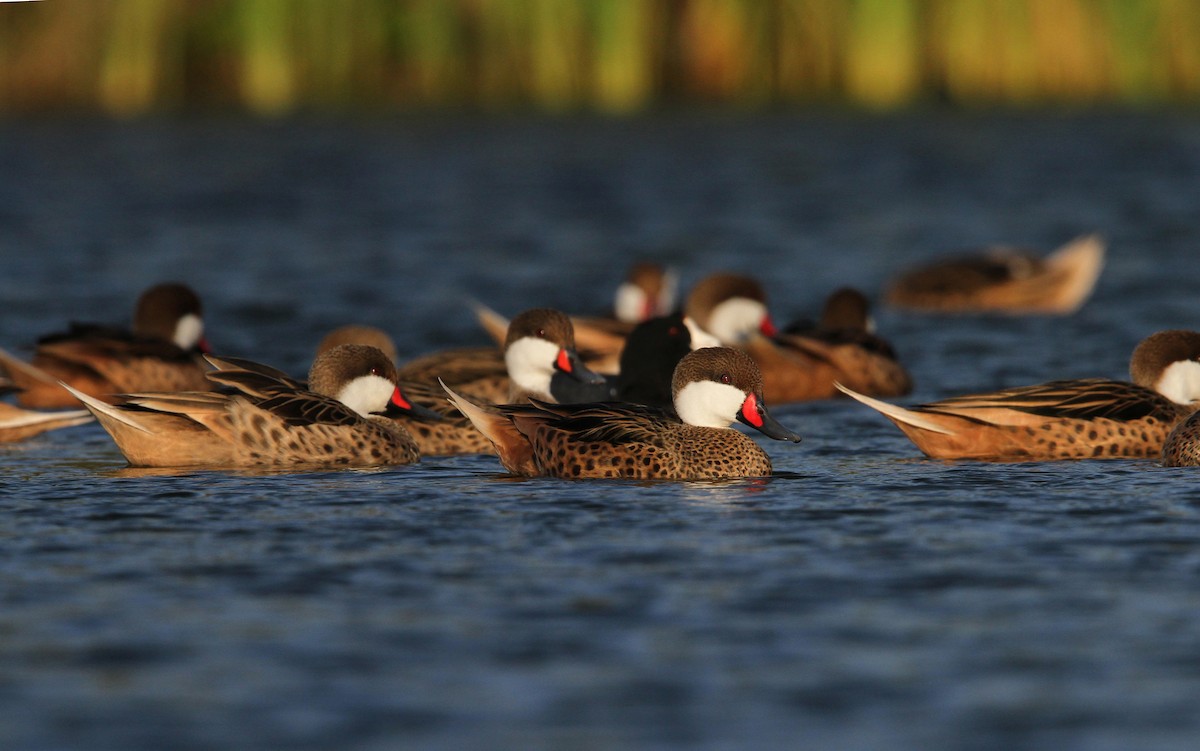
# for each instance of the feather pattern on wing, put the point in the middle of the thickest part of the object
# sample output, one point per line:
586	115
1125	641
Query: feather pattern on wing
1081	399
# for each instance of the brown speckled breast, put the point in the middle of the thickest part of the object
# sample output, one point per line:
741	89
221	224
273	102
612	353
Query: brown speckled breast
685	453
1182	446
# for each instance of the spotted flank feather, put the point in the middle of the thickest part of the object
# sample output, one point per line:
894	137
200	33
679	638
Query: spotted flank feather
1068	419
265	419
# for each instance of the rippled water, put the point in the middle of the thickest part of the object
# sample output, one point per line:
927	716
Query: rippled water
862	598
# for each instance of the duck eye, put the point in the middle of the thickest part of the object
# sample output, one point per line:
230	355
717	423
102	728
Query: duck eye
375	371
541	333
673	331
725	378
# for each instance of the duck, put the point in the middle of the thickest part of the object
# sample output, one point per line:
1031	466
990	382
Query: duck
339	418
648	291
18	424
1089	418
1004	280
438	429
846	312
160	353
648	359
841	347
803	362
539	343
730	307
711	388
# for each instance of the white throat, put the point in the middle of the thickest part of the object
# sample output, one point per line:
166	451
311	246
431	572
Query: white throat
630	303
188	331
530	363
700	337
1180	382
709	404
735	319
367	394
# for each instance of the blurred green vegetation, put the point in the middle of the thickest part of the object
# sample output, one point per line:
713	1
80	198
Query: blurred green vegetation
127	57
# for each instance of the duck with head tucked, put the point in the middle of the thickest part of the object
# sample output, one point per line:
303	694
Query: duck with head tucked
1004	280
341	417
1089	418
162	352
799	365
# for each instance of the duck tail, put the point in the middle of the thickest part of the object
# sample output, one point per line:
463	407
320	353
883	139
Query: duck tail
895	413
1079	264
515	450
492	322
36	421
20	371
107	414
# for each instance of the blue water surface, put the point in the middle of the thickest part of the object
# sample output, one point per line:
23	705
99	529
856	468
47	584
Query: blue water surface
863	598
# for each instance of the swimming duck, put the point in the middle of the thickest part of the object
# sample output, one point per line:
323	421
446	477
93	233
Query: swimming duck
804	361
648	291
711	388
730	307
648	360
1005	280
539	343
340	418
437	427
160	353
17	424
804	364
1090	418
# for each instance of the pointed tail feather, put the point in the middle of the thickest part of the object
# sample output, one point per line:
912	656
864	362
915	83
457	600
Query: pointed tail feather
1080	263
17	367
515	450
492	322
896	413
105	411
26	418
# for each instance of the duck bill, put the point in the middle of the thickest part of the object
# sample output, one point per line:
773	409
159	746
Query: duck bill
767	327
754	414
401	406
568	362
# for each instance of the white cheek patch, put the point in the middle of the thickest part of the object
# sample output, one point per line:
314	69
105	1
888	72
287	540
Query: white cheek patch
735	319
709	404
1180	382
367	394
188	331
530	363
630	303
700	337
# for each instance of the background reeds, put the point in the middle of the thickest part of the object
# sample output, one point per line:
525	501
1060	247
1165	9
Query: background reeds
127	57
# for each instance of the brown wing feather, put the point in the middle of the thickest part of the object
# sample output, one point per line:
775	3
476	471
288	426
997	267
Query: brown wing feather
613	423
235	364
1085	399
306	408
